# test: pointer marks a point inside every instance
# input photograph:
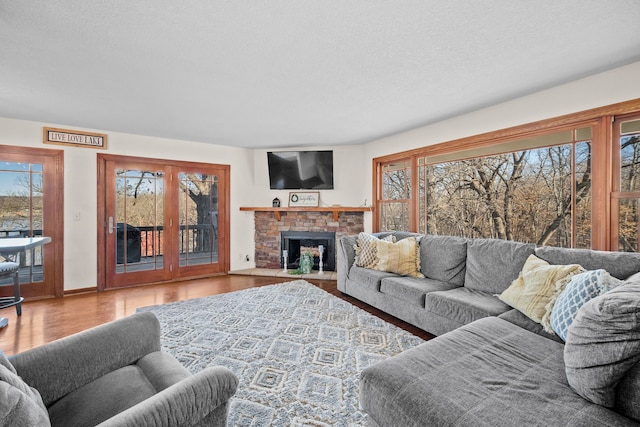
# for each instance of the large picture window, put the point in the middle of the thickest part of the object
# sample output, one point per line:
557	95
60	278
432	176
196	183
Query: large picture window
538	195
571	181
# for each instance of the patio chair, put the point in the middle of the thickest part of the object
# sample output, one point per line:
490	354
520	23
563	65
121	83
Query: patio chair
10	269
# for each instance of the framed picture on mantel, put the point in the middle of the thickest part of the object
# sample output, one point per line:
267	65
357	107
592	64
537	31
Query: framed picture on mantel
304	199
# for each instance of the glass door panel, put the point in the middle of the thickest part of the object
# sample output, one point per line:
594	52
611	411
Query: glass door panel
31	183
21	215
202	216
198	219
139	220
162	220
136	237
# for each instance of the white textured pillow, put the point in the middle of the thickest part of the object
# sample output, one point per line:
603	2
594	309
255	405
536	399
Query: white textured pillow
538	282
367	251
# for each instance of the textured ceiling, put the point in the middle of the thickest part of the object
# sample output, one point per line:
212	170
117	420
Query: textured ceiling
300	72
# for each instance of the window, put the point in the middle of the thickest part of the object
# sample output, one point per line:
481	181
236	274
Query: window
570	181
539	195
626	234
396	195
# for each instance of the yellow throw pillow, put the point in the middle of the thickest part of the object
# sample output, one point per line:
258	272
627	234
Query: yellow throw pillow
401	257
536	285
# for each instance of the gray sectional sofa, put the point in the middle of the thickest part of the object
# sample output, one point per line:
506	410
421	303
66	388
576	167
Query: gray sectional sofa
490	365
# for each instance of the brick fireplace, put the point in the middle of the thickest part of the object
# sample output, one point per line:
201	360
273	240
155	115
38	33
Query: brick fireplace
268	230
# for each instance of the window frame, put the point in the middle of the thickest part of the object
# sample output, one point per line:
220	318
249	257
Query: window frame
616	195
603	155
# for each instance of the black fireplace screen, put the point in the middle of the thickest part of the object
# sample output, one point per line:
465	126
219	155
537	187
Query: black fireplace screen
298	242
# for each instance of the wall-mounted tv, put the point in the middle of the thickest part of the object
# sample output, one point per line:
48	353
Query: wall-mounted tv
300	170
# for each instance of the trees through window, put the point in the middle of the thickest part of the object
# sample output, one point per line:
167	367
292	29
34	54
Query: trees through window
571	181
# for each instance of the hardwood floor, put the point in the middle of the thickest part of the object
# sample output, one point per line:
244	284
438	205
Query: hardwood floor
44	321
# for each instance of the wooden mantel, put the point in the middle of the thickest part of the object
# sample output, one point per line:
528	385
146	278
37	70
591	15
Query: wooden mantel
335	209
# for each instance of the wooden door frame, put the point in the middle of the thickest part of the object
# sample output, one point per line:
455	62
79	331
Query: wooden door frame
224	210
224	195
53	221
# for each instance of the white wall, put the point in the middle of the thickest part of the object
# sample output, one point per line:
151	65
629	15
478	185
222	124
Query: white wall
350	189
249	174
249	187
351	186
620	84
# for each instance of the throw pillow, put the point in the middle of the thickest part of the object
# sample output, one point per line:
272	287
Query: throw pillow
20	402
603	344
366	251
581	288
400	258
538	281
633	278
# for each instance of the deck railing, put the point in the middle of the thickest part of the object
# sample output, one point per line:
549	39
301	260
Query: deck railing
193	238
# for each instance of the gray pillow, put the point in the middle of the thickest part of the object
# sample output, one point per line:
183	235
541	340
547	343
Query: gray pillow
603	344
492	264
628	394
618	264
20	404
444	258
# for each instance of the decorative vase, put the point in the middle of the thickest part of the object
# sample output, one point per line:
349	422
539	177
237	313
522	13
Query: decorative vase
306	263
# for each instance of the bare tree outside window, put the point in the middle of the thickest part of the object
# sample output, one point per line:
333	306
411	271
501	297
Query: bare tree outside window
629	174
538	195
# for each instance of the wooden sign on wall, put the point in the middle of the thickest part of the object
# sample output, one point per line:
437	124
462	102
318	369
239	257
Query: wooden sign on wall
74	137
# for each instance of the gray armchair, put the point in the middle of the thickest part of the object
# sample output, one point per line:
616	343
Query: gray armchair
111	375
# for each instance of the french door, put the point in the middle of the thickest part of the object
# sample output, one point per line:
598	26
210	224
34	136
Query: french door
160	220
31	204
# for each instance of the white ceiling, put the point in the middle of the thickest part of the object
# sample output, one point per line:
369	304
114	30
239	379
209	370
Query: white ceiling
278	73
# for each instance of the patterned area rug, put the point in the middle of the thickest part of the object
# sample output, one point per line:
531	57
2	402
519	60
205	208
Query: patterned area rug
296	349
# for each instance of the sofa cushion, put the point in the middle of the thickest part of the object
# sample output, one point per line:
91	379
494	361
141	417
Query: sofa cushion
366	250
444	258
487	373
619	264
401	257
412	290
20	404
517	318
102	398
399	235
464	305
582	288
536	285
603	343
493	264
367	278
628	394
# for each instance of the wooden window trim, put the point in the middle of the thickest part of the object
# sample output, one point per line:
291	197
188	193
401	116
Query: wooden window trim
602	157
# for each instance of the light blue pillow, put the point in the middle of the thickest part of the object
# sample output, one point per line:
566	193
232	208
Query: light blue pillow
582	288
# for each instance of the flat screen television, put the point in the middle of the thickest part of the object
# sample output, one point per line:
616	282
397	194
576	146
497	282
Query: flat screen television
300	170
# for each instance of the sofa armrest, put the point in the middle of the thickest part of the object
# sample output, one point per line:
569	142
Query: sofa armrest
57	368
183	404
346	256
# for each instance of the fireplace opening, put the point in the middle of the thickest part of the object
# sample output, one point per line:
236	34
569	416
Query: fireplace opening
298	242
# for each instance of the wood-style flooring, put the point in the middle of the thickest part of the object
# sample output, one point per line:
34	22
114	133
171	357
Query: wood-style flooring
43	321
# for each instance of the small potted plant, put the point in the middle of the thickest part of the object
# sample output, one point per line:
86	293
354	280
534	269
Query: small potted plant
306	262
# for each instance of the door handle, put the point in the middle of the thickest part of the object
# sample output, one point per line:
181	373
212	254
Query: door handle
111	227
